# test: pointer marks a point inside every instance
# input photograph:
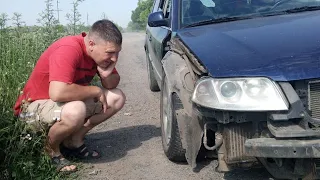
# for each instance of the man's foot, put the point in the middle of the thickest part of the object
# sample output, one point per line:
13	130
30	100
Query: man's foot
81	152
63	165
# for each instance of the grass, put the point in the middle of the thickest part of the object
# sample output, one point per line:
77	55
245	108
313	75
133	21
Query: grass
21	152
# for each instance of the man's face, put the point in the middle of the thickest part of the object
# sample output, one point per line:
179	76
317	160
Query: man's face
104	53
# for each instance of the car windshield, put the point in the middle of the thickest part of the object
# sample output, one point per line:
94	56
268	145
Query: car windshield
199	12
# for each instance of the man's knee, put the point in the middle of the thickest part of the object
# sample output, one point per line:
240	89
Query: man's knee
116	98
74	113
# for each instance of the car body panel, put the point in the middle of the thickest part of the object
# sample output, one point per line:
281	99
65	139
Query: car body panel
283	48
155	48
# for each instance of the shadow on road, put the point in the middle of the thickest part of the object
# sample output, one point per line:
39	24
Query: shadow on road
115	144
256	173
251	174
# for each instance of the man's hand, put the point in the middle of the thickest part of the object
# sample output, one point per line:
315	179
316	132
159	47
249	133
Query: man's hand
102	98
108	79
106	72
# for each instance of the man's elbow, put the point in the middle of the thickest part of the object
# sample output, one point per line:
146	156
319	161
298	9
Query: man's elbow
55	96
57	91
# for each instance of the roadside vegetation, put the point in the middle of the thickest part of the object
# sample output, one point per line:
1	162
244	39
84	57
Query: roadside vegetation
139	16
21	152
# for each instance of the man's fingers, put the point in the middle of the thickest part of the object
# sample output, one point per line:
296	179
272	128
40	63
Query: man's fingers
105	107
106	104
112	66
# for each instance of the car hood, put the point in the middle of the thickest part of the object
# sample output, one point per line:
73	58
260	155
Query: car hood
283	48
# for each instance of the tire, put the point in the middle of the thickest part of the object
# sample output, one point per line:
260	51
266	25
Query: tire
153	84
171	141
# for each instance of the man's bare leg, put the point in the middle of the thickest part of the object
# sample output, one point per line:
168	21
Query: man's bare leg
72	119
116	100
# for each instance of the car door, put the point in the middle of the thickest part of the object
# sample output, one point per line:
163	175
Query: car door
157	36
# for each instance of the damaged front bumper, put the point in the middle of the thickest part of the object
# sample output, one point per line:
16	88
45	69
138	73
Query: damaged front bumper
294	134
283	148
290	134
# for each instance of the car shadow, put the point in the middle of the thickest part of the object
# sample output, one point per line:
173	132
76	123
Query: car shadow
202	164
248	174
255	173
115	144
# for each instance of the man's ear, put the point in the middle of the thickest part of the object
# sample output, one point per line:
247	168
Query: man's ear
91	44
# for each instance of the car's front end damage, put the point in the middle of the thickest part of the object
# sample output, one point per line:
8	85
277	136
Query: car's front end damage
248	114
280	140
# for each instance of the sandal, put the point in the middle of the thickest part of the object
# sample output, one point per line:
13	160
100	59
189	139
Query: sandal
81	152
59	162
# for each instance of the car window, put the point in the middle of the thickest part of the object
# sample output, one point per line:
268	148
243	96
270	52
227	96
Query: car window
156	6
193	11
167	8
197	10
161	5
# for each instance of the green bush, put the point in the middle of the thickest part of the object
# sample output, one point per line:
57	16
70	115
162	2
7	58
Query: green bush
21	154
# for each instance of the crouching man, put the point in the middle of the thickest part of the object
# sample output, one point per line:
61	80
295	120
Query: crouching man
59	91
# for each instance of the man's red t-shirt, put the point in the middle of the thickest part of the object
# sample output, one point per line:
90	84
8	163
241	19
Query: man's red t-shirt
66	60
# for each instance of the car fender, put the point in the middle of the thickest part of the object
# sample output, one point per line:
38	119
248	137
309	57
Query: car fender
180	81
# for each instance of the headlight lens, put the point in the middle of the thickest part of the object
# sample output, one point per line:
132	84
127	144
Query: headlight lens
256	87
240	94
228	89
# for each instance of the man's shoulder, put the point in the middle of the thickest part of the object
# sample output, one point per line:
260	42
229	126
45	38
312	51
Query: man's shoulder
69	41
67	44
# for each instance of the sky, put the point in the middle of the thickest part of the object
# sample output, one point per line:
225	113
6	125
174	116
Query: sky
118	11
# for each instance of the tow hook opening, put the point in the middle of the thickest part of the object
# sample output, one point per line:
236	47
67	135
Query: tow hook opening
218	138
278	161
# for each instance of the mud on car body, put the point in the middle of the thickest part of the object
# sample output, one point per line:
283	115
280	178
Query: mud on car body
239	79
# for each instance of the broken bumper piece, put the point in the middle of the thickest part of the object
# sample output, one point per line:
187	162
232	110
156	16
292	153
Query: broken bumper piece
274	148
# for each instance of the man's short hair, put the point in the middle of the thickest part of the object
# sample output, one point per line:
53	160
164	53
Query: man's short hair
107	31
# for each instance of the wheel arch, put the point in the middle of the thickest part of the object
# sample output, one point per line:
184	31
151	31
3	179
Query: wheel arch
181	84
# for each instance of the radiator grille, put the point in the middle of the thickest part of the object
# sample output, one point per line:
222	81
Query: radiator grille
235	137
314	98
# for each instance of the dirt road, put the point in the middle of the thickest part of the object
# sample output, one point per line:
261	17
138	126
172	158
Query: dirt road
130	141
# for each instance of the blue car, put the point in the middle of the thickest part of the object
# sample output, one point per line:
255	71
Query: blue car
239	81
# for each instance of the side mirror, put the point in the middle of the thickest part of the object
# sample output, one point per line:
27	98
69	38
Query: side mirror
157	19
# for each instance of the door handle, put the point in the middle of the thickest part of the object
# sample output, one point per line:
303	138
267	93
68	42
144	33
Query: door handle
150	39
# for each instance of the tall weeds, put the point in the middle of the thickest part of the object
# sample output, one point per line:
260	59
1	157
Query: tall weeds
21	153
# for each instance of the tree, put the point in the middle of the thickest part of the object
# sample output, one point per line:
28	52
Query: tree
118	26
3	20
17	22
75	18
145	10
132	26
49	22
104	16
139	16
47	18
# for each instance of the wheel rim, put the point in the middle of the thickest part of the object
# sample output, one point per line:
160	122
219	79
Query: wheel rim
166	113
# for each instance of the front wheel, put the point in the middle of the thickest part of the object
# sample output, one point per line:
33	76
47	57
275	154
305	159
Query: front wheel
171	140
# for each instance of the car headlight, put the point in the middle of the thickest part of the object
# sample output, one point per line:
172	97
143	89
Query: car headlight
240	94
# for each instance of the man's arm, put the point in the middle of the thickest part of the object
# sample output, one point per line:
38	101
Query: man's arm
110	82
63	92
